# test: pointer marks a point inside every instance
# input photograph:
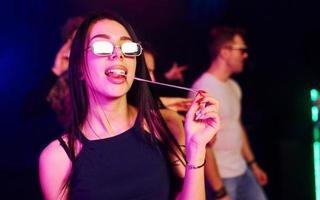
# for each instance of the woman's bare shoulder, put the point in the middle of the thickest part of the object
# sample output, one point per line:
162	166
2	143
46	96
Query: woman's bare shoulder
54	152
54	169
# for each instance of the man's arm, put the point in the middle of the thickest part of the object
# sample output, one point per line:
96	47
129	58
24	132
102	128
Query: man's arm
213	176
260	175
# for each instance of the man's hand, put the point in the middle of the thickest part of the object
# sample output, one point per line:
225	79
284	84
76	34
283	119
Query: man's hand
260	175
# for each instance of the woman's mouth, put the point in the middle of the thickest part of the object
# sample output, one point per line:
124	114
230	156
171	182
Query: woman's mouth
116	72
116	75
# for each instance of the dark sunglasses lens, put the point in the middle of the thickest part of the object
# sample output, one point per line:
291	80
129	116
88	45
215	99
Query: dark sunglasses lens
244	50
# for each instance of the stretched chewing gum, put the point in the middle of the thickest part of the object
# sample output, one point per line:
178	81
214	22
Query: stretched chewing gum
165	84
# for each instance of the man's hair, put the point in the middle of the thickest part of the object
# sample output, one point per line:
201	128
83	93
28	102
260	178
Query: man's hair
221	36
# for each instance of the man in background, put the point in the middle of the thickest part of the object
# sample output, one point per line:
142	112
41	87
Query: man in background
232	172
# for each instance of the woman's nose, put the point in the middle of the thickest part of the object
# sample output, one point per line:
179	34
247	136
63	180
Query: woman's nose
117	53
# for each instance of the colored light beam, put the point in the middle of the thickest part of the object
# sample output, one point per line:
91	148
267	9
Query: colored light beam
314	95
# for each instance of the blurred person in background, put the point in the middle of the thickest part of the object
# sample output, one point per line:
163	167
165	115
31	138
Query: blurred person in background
53	91
235	173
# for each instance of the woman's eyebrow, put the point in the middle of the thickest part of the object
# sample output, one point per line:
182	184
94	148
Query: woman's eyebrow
108	37
125	38
100	36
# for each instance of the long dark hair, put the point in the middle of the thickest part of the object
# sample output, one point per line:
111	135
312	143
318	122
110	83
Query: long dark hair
139	95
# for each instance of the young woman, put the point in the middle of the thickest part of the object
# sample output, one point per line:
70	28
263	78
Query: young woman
119	146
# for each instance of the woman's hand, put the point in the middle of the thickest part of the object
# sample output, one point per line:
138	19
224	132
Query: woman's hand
202	121
201	125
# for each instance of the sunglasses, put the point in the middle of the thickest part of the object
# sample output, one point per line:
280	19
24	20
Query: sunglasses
241	48
105	48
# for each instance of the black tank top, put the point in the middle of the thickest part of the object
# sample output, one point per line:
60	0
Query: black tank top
126	166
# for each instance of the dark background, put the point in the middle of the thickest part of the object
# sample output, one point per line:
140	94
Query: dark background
284	41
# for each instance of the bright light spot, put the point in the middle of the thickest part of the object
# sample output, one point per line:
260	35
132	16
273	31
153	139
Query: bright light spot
314	94
316	157
314	113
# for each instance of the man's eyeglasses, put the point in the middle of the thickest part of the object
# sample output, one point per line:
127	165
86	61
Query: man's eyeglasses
243	49
106	48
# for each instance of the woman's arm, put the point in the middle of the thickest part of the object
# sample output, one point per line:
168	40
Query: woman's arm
201	124
54	170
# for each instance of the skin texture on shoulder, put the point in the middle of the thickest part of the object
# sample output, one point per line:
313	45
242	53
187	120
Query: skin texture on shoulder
54	170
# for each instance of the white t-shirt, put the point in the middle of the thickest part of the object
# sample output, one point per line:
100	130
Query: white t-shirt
227	147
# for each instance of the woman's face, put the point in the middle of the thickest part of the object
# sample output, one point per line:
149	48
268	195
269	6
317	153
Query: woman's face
109	75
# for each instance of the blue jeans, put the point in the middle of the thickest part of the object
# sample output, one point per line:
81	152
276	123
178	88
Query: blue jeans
243	187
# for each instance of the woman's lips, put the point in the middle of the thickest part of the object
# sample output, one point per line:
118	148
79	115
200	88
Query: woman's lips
116	75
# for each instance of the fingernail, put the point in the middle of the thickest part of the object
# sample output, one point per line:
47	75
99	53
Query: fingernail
199	100
198	112
198	116
203	104
202	92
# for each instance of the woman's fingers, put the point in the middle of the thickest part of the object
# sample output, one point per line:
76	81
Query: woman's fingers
207	109
210	100
206	105
194	106
211	119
